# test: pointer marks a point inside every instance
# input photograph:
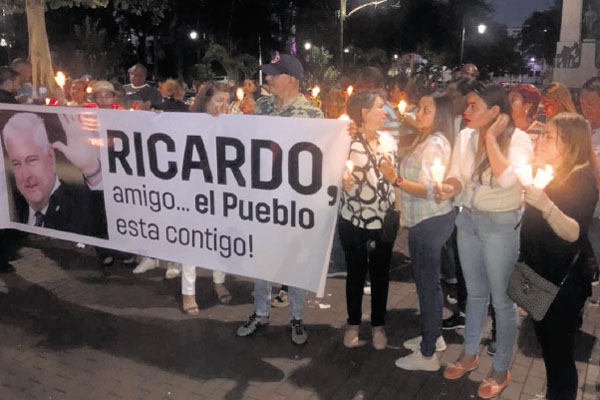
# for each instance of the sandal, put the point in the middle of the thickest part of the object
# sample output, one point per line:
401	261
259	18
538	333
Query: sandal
190	311
222	293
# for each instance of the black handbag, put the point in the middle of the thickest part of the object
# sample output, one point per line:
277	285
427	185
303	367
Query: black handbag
531	291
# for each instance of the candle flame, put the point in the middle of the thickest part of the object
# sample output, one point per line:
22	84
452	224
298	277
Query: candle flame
437	161
239	93
60	79
349	166
89	90
47	100
549	169
349	90
344	117
315	91
402	106
387	142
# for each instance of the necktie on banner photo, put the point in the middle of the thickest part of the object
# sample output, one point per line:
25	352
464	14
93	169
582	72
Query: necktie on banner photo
39	218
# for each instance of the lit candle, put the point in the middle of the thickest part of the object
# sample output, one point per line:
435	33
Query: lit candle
402	106
438	171
344	117
89	90
315	91
239	93
386	143
543	177
349	169
47	101
350	90
524	172
60	79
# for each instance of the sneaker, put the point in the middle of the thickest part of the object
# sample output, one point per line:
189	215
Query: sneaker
281	300
146	264
254	323
491	348
456	321
414	344
416	362
299	335
173	270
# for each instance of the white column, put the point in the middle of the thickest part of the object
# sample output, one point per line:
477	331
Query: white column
570	28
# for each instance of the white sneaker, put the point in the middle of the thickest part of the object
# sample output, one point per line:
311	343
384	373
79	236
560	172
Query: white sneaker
146	264
173	270
416	362
414	344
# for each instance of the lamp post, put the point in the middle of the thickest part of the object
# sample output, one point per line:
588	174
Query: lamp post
343	17
480	28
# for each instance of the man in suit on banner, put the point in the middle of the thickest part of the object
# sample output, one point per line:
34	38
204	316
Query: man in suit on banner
43	199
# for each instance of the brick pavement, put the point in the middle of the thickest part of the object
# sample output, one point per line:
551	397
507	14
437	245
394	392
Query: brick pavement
70	333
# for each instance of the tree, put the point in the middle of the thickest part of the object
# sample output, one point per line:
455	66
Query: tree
236	66
541	32
39	49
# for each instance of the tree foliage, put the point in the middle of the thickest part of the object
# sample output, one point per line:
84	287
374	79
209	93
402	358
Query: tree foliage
540	33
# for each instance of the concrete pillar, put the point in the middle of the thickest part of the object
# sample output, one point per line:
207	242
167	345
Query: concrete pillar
570	28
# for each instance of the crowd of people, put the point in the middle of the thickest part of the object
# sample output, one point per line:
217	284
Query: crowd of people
467	226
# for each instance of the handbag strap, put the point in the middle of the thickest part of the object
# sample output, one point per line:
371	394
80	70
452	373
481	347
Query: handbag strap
573	262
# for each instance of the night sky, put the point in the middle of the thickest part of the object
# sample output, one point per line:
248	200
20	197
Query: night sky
514	12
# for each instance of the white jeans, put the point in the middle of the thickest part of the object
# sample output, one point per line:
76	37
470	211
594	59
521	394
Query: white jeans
188	279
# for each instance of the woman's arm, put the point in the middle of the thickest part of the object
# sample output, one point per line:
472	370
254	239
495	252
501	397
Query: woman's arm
564	226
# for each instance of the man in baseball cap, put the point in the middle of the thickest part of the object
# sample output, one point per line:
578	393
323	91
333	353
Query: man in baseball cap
283	77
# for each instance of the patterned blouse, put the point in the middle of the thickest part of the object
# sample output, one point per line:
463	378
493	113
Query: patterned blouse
371	196
416	167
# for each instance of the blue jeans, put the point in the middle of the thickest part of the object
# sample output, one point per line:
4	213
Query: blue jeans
488	246
262	299
425	242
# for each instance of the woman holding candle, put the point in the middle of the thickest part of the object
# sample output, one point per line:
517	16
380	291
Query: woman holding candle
481	170
554	235
429	223
366	198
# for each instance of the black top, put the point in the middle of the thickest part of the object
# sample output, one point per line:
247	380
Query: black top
543	250
7	97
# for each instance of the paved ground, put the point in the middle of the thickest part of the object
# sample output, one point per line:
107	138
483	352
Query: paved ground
67	332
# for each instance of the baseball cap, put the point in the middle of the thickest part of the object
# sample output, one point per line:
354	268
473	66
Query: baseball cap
287	64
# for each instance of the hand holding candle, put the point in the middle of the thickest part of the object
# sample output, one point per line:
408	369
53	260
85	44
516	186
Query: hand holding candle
438	171
347	180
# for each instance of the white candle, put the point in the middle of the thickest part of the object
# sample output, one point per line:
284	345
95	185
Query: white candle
524	172
349	169
386	143
60	79
239	93
438	171
402	106
543	177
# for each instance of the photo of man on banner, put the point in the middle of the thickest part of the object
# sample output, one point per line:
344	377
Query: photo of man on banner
72	202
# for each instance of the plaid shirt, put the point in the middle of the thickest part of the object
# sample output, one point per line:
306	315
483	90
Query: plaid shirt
416	167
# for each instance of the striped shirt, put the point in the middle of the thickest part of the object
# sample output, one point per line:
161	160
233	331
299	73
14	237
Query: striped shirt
416	167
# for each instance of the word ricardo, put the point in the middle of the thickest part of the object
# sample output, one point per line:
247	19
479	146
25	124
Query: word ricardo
274	212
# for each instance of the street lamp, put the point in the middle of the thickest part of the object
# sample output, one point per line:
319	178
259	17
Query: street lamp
480	28
307	46
193	35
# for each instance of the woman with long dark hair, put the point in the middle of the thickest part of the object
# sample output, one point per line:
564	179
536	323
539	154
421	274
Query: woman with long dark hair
429	223
554	236
481	170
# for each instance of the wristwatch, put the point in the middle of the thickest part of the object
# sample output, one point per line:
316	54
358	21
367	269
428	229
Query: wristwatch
398	181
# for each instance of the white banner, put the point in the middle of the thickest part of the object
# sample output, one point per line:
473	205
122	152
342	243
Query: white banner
248	195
